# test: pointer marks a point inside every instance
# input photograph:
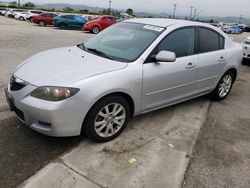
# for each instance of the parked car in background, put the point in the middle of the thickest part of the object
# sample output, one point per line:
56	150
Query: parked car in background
246	48
247	29
21	15
44	19
131	68
12	12
232	29
101	23
2	11
31	13
69	21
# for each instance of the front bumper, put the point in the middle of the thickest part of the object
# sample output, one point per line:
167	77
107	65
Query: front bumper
59	119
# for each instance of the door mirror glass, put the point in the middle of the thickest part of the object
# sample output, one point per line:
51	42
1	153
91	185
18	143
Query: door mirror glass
165	56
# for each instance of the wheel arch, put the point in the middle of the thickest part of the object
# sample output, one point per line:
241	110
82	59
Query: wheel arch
234	71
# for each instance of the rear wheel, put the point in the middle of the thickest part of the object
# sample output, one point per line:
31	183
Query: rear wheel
63	26
95	29
224	86
107	118
41	23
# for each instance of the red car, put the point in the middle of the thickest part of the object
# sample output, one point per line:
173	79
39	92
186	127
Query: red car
99	24
44	19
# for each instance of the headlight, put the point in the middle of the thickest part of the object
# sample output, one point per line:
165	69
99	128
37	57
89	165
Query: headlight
50	93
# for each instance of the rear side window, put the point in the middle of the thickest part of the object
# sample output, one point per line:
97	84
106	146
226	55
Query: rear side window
68	17
46	15
209	41
181	42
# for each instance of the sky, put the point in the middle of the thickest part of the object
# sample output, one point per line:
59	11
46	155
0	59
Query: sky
210	7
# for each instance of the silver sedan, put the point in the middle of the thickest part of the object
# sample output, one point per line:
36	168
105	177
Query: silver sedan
131	68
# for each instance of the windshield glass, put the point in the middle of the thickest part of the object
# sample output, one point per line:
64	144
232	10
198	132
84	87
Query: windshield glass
124	41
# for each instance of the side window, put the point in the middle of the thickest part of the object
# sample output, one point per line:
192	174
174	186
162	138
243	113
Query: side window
46	15
209	41
181	42
222	42
71	17
109	19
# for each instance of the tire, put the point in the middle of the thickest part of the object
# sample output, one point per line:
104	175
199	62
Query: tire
111	127
224	86
21	18
95	29
63	26
42	23
30	19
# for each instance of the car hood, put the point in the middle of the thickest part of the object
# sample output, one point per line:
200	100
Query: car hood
64	67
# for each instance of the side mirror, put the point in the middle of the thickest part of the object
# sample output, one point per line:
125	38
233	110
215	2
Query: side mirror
165	56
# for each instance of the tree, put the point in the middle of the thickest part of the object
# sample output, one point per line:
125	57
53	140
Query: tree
84	11
29	4
130	11
68	9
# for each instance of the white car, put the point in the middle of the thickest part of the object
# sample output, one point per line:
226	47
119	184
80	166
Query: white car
246	48
130	68
28	14
2	11
13	12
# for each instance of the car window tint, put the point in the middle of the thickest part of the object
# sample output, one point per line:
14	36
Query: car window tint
78	18
221	41
208	40
53	15
181	42
46	15
68	17
109	19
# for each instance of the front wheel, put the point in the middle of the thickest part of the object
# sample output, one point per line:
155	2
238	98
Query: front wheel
224	87
107	119
95	29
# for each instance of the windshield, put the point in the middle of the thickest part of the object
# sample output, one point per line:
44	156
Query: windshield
123	41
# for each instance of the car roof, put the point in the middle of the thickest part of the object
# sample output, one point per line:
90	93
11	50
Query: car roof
163	22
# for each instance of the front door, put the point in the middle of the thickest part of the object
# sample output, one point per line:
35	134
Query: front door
169	82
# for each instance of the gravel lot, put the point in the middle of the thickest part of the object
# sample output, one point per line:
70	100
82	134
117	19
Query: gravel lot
22	151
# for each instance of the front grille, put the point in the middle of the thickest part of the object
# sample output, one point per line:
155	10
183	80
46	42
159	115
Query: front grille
17	84
19	113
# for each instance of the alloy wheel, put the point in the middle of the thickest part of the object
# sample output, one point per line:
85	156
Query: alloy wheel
110	120
225	85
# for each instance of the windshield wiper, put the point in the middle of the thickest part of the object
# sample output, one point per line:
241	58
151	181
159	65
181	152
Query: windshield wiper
98	52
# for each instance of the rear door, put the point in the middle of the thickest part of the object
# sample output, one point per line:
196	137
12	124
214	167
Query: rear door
212	58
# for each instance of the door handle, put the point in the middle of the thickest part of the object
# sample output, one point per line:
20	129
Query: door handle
190	65
222	59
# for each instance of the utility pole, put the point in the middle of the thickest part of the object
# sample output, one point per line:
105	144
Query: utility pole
110	7
191	11
240	19
175	5
197	14
19	3
195	10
